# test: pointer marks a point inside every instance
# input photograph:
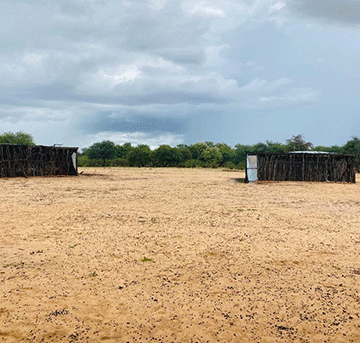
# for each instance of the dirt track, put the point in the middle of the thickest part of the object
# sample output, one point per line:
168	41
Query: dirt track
178	255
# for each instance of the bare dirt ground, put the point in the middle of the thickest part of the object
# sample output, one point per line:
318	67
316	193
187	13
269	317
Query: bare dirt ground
178	255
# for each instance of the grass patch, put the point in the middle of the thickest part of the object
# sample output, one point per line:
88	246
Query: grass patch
145	259
15	265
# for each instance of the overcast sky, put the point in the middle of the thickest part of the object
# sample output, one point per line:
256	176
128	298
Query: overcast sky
179	71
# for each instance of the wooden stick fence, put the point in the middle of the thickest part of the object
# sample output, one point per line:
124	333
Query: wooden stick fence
23	160
306	167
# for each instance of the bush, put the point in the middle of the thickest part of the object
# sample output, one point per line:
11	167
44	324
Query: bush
230	165
118	162
84	161
241	165
211	164
20	138
192	164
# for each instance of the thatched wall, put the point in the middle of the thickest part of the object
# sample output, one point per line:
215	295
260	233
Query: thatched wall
23	160
306	167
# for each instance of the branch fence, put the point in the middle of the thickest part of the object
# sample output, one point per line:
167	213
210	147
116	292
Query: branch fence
25	161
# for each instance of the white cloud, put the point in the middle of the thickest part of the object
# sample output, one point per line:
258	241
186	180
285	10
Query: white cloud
277	6
127	76
33	59
258	85
254	86
10	72
296	97
208	11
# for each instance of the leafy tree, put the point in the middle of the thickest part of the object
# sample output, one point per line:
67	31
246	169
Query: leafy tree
241	152
353	147
210	144
321	148
336	149
18	138
184	153
259	148
196	150
140	156
227	153
298	143
212	156
123	150
105	150
275	148
166	156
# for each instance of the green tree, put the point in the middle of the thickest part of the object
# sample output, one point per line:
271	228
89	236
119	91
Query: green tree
353	147
197	149
227	153
241	151
298	143
18	138
275	148
184	153
166	156
123	150
104	150
321	148
210	144
211	156
259	148
140	156
336	149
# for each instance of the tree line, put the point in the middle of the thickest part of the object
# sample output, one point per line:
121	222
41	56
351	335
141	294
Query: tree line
204	154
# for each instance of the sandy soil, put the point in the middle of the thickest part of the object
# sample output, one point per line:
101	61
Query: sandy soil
178	255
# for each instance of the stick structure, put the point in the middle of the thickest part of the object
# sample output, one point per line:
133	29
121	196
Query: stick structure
38	160
306	167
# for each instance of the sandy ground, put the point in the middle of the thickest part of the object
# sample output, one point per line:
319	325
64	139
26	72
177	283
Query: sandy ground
178	255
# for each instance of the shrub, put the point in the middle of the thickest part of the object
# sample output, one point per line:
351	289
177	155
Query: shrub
84	161
241	165
118	162
230	165
211	164
192	164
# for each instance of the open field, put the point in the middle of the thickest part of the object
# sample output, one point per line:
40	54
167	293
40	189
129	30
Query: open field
178	255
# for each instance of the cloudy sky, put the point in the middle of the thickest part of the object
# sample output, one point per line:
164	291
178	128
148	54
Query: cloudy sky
179	71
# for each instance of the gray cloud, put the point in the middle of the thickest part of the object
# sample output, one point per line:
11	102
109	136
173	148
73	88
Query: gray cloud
125	122
342	11
141	69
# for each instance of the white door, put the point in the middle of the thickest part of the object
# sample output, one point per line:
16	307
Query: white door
251	168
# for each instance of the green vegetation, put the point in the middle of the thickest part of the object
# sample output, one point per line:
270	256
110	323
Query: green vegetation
105	150
18	138
198	155
145	259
